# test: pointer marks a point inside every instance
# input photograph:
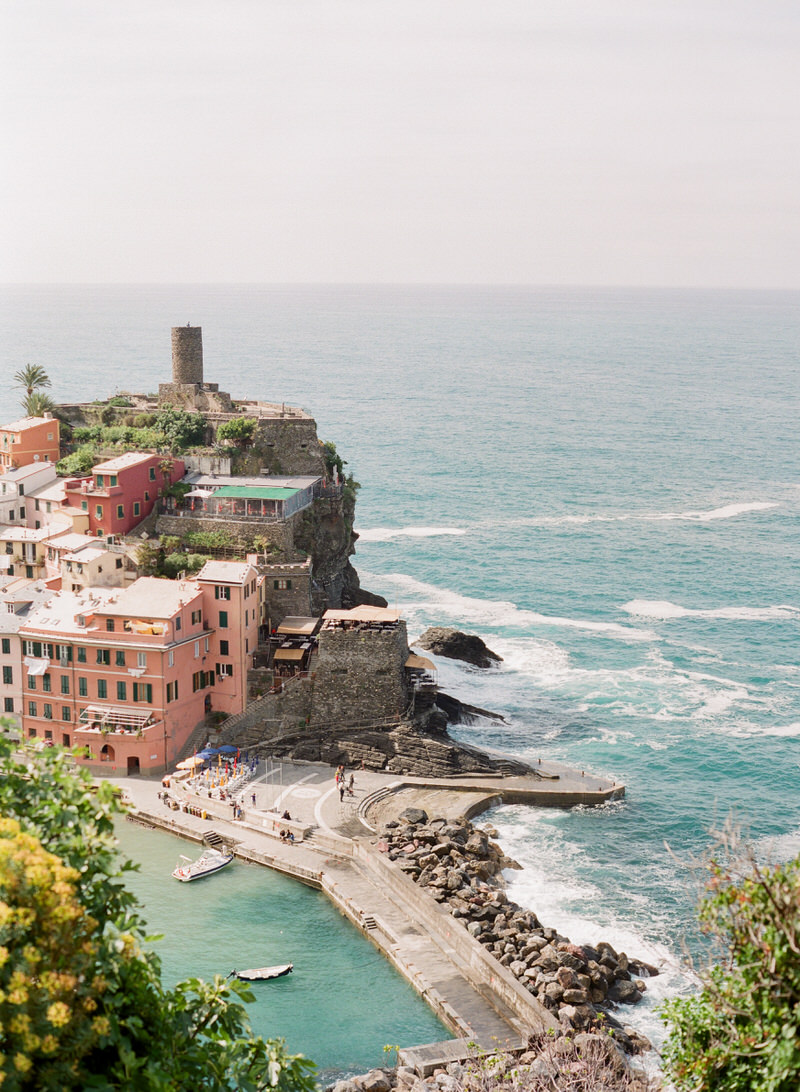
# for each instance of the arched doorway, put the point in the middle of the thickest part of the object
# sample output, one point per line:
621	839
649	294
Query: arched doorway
133	764
107	753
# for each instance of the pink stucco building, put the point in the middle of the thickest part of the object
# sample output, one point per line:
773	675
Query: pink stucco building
29	440
122	491
130	673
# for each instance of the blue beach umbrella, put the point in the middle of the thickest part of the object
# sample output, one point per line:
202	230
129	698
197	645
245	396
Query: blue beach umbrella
228	749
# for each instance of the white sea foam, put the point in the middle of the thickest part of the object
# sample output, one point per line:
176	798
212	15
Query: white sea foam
728	511
437	602
553	882
388	534
664	610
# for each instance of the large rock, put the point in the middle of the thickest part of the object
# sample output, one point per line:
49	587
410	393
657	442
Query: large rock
456	645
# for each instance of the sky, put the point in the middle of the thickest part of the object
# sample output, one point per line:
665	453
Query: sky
609	142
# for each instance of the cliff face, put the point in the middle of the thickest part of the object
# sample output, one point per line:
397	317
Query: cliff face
325	532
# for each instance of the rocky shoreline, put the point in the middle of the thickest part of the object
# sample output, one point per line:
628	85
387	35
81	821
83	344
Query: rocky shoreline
582	986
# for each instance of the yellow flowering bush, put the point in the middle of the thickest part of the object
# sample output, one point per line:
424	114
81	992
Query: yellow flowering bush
42	925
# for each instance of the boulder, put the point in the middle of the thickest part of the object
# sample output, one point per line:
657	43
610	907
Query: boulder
455	645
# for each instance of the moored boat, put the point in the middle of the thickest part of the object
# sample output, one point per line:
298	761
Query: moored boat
212	860
258	974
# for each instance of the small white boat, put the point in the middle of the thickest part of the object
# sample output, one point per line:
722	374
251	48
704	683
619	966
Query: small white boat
212	860
258	974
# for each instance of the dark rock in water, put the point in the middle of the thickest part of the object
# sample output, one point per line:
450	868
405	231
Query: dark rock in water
456	645
459	712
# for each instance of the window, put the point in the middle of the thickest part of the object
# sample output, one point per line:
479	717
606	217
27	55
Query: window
66	714
120	511
224	648
152	473
65	684
141	659
170	658
172	691
83	687
64	654
48	711
6	645
202	679
177	623
122	691
222	591
223	619
104	657
225	671
119	658
99	532
110	625
112	480
8	675
282	585
205	644
81	655
64	737
143	692
136	508
32	709
197	617
31	682
118	562
146	495
84	506
29	572
102	688
196	649
98	511
99	481
8	705
47	684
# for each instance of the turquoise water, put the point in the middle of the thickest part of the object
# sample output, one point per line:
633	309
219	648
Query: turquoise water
342	1003
602	483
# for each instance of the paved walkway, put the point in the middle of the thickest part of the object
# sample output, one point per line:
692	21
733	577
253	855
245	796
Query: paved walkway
336	823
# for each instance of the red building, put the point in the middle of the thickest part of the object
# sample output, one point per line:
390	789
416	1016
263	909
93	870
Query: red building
122	491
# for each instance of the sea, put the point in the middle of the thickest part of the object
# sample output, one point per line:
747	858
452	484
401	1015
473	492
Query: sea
601	483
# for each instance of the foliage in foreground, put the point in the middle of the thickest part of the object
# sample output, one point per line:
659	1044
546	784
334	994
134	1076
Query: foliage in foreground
82	1005
742	1032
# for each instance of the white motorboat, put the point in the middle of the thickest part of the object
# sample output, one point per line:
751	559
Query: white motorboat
212	860
258	974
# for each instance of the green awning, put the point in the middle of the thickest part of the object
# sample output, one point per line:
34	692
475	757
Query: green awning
253	492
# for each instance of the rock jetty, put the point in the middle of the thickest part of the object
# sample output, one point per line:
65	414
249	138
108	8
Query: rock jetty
456	645
461	868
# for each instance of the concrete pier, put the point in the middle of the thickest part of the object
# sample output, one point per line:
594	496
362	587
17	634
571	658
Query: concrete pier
477	999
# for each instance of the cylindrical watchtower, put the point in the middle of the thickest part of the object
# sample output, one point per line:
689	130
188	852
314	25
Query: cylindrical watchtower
187	354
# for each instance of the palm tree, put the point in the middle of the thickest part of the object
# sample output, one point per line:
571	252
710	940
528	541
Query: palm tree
32	377
38	404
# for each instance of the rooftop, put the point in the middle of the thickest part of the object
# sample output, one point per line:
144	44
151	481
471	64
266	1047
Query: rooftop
71	542
149	597
253	492
224	572
264	481
121	462
25	423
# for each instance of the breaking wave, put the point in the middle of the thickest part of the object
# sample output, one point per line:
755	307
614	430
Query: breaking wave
728	511
664	610
388	534
438	602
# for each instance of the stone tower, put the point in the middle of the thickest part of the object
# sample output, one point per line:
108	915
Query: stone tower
187	388
187	354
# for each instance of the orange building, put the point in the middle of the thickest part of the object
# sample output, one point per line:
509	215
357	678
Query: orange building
29	440
130	673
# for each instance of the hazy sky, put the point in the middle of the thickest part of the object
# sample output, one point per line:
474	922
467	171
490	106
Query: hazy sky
524	141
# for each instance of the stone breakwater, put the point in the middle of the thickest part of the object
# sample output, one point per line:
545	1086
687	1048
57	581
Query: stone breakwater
462	869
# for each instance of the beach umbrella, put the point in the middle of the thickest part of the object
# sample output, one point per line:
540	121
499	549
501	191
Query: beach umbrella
190	763
228	749
207	752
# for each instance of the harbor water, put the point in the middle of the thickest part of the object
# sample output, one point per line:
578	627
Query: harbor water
602	483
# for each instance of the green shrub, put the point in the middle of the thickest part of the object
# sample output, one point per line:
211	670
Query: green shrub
240	430
181	429
119	400
79	462
208	540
